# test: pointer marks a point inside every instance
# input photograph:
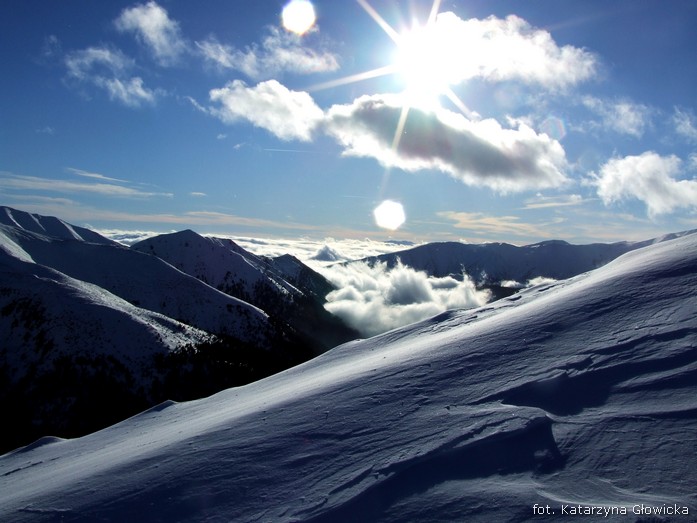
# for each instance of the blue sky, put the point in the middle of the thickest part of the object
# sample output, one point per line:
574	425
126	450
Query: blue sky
503	121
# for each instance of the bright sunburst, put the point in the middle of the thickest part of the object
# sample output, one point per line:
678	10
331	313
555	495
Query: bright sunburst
424	60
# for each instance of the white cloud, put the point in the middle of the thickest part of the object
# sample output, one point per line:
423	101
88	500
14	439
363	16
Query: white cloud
290	115
509	49
479	153
621	116
685	124
155	29
279	52
86	63
198	194
648	177
375	299
539	280
109	69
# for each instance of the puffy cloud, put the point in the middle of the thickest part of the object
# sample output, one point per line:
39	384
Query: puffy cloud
290	115
280	51
109	70
648	177
373	299
507	49
622	116
480	153
534	282
155	29
685	124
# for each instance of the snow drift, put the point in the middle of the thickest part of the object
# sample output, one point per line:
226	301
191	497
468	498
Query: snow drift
581	393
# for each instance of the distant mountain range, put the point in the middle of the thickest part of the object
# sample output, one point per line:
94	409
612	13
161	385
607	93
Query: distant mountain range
493	263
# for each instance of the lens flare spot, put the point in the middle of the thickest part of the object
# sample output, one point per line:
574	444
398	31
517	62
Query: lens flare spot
298	16
553	127
389	215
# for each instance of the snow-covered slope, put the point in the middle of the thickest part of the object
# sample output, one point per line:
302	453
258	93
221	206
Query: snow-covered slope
579	395
66	344
492	263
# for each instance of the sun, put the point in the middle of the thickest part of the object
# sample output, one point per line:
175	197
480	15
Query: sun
298	16
389	215
424	59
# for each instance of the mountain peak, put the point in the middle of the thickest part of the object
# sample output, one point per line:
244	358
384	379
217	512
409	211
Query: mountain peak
49	226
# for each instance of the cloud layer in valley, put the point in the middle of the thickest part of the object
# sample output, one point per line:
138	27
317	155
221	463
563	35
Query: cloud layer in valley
374	299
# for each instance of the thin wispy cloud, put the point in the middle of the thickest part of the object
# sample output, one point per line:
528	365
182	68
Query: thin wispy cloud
96	176
153	28
623	116
499	226
280	51
545	202
109	69
648	177
685	123
10	181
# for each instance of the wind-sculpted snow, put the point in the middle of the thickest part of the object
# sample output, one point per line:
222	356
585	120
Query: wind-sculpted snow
577	395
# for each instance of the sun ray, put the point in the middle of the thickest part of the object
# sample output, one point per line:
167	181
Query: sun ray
434	12
358	77
400	127
459	104
379	20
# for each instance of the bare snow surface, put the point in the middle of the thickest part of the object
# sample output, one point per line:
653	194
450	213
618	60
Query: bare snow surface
579	392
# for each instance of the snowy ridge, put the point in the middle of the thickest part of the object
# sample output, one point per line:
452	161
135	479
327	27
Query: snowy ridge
226	266
145	281
49	226
579	392
492	263
219	262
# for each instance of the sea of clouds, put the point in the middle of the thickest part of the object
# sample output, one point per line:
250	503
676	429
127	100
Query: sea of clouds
374	299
